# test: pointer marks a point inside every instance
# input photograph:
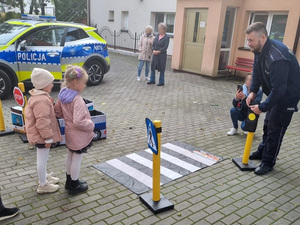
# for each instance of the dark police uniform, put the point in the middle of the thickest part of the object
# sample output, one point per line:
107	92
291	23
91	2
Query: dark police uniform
277	70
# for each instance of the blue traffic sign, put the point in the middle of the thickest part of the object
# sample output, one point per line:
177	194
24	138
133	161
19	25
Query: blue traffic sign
152	136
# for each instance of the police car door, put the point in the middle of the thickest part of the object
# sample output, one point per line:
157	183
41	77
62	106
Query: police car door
42	49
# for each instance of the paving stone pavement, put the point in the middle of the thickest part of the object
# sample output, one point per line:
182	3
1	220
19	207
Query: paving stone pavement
193	109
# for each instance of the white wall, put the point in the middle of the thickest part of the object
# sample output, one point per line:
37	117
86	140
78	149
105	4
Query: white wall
139	13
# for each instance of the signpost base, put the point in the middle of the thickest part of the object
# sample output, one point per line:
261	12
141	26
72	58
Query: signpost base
156	207
24	138
6	132
244	167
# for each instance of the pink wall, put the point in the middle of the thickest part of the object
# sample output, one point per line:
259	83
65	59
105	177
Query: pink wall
215	23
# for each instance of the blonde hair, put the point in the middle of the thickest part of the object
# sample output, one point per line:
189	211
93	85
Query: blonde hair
74	73
163	26
150	28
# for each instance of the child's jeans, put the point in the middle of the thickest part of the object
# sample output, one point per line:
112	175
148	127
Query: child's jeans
42	158
237	115
140	67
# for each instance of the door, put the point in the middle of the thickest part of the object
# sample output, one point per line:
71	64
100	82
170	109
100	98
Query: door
42	50
227	38
195	30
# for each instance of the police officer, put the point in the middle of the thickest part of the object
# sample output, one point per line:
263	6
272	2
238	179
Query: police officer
277	70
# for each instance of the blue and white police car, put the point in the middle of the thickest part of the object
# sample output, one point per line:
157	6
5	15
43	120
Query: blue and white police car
41	41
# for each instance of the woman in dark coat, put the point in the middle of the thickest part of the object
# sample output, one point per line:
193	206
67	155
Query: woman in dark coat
159	60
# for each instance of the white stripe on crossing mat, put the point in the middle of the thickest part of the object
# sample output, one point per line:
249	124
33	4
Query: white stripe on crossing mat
189	154
148	163
177	161
136	174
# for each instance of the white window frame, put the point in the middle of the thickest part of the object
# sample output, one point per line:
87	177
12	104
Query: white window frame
165	20
125	20
111	15
269	21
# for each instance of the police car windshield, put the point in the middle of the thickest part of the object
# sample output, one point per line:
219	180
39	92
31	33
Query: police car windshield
9	31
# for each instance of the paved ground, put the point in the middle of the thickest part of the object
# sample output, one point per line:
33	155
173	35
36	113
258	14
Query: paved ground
193	109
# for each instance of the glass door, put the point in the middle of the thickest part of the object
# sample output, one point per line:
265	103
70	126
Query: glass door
227	38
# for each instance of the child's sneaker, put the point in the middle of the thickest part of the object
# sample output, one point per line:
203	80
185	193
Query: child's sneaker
52	180
138	79
147	78
7	213
48	188
232	132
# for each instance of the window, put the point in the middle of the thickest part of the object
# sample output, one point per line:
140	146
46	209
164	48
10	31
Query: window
9	31
111	16
46	37
167	18
170	19
125	20
275	23
75	34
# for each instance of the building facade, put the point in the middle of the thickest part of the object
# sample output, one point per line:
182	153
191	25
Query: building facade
132	15
210	34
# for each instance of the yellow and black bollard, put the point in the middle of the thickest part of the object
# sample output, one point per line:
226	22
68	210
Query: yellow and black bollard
243	163
3	130
155	201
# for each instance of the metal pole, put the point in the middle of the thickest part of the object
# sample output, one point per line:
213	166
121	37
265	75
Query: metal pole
156	165
247	149
134	42
115	39
22	87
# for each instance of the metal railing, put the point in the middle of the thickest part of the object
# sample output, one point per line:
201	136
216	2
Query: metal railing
123	39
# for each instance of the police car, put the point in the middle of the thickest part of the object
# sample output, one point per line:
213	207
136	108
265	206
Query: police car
41	41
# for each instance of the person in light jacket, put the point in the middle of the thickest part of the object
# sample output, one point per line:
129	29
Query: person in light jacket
159	60
145	49
42	129
79	126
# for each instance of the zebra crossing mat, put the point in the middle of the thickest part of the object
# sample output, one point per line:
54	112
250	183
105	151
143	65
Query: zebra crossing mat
134	171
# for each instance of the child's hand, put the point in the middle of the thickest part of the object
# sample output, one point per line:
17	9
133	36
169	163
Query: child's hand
48	145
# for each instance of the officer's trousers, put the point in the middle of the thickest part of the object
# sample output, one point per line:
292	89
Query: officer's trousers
275	126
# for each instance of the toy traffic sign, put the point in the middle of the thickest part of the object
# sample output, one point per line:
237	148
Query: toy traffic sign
155	201
152	136
19	97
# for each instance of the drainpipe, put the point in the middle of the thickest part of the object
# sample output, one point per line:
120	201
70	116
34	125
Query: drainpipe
297	38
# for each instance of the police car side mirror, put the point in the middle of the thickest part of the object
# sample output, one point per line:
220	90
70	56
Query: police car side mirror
23	45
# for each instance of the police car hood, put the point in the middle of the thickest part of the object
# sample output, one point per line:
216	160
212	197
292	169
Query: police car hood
67	95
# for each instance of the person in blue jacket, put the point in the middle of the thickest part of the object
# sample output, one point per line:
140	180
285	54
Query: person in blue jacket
239	111
277	70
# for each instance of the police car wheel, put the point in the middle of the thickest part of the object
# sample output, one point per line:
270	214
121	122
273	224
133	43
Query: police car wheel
95	71
97	135
5	85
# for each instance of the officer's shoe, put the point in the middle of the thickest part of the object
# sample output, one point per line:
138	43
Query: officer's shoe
255	155
7	213
77	187
263	169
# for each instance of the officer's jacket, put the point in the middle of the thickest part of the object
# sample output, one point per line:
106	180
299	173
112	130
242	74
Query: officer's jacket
277	70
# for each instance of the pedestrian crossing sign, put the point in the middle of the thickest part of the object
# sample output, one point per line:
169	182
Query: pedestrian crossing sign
152	136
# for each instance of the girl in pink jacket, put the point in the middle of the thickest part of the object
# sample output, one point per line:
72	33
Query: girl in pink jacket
41	126
79	128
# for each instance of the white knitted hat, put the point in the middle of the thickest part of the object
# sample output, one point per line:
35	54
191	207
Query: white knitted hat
41	78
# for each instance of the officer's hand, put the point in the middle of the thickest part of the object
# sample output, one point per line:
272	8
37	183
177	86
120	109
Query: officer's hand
255	109
250	98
